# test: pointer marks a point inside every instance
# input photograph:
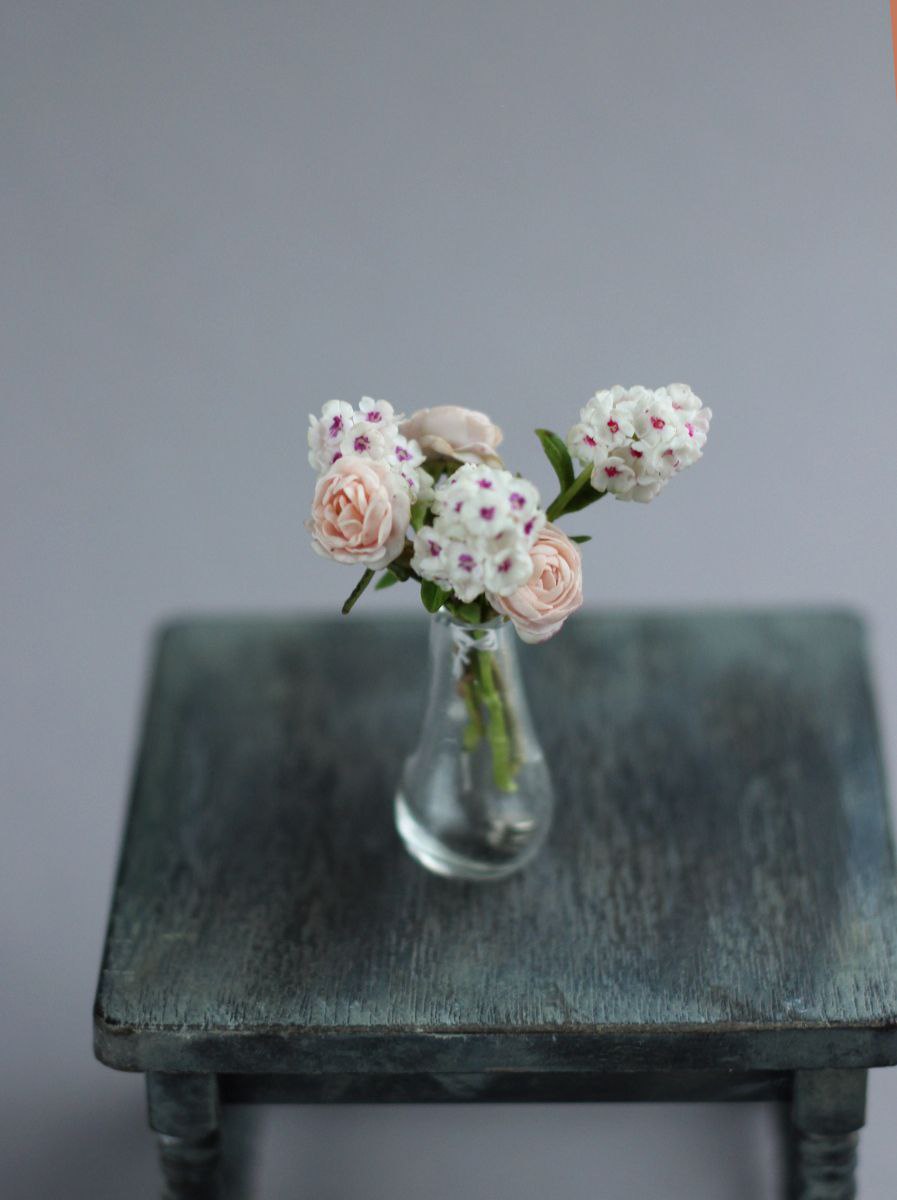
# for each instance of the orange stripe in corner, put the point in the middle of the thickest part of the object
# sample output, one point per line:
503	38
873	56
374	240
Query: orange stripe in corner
894	36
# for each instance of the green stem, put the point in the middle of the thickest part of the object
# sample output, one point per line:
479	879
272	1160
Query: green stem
557	506
513	724
502	766
473	730
356	592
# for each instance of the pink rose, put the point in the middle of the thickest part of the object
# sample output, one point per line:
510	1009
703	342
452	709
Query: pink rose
450	431
540	607
360	513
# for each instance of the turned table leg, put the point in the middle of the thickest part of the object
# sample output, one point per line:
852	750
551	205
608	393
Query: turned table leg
184	1113
828	1110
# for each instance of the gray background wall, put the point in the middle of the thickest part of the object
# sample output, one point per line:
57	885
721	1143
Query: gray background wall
216	216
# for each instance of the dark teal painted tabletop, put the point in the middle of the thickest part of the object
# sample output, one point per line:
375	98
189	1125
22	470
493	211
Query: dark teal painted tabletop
718	889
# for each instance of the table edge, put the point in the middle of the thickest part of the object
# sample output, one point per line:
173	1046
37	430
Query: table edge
287	1049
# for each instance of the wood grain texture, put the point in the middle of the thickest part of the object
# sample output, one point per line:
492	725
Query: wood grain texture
718	890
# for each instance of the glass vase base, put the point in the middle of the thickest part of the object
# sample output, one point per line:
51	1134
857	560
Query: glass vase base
497	852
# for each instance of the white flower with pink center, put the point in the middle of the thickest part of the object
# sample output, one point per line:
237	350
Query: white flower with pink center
454	564
656	421
485	521
586	444
370	432
407	455
614	475
379	412
488	514
370	440
507	568
605	423
523	499
682	397
407	458
693	419
465	570
431	554
635	440
325	433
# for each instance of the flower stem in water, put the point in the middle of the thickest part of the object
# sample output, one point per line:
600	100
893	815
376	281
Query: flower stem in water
502	765
473	730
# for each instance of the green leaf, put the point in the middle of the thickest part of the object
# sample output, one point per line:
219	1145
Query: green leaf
559	457
580	538
386	580
583	499
433	596
356	592
471	613
419	514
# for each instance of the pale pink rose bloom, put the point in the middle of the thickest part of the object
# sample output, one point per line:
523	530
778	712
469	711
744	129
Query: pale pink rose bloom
360	513
449	431
540	607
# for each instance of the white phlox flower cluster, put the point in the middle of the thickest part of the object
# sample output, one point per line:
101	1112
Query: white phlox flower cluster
485	524
370	431
636	439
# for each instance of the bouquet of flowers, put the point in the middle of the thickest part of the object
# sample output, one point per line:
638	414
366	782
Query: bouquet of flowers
428	498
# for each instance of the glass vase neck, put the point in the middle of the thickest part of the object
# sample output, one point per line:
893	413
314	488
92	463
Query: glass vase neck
444	617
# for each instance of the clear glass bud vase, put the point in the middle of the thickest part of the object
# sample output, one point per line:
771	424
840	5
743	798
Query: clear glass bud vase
475	799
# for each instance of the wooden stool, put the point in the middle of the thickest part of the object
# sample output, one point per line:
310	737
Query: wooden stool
714	916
